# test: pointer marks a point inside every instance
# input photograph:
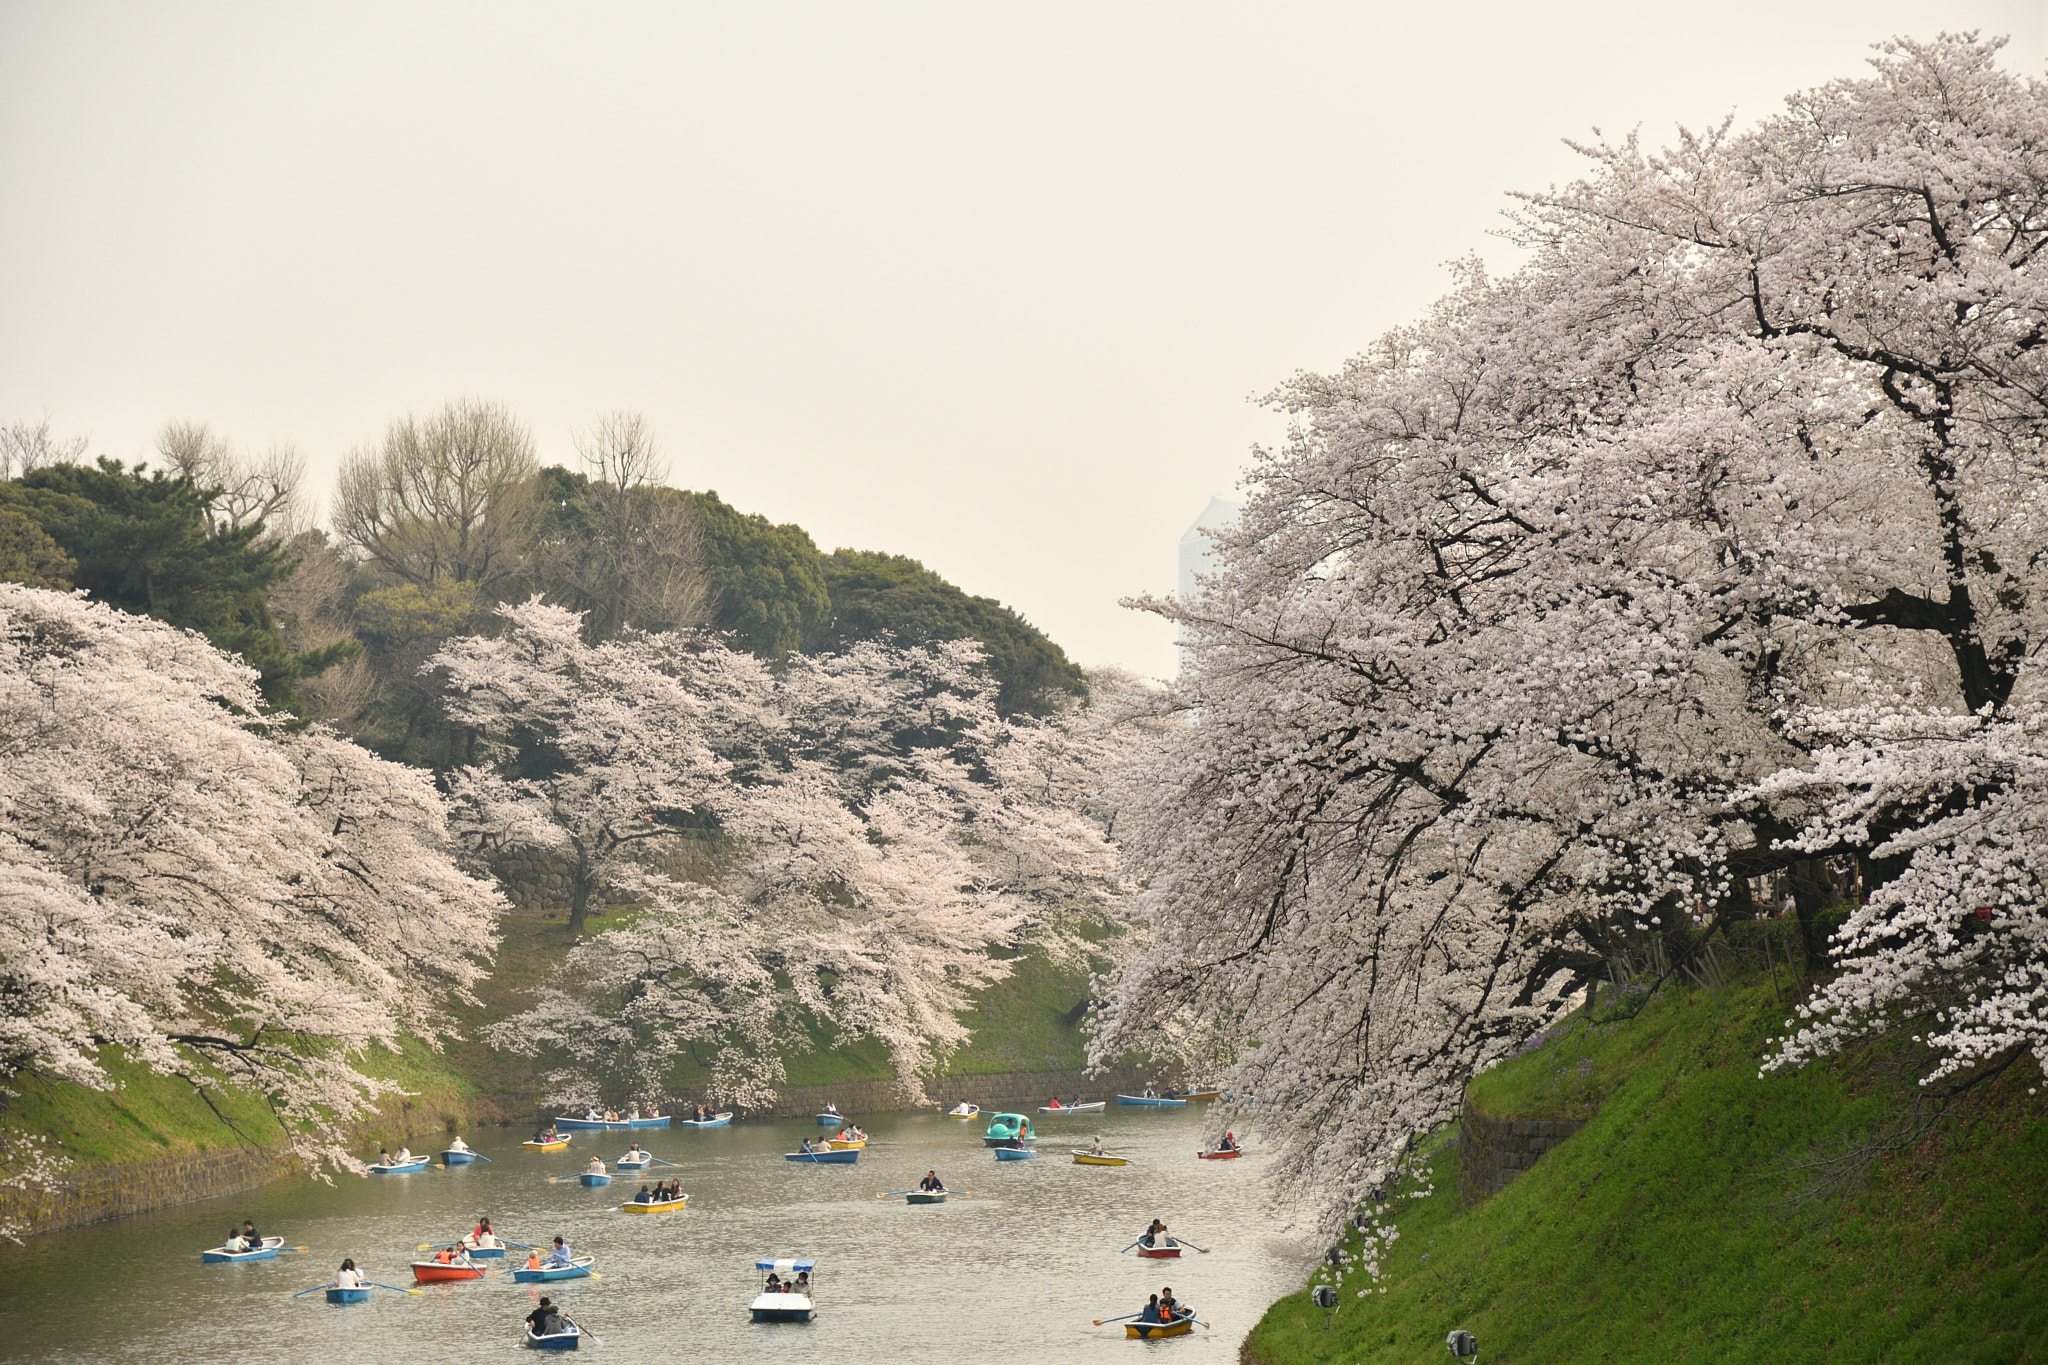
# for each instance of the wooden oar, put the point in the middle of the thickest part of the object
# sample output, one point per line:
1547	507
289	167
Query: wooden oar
314	1290
1139	1242
392	1287
1140	1313
481	1157
659	1162
1186	1243
889	1194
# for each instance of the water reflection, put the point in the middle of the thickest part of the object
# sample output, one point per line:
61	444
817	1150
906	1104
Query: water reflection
1026	1263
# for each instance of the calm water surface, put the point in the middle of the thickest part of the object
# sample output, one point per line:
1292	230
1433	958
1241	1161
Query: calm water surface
1025	1264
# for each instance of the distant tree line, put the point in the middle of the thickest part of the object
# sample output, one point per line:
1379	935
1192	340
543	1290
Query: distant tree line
434	526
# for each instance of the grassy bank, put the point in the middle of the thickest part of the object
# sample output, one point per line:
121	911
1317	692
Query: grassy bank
1687	1220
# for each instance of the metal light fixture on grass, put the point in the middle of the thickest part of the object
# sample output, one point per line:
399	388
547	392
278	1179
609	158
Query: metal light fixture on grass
1463	1345
1325	1298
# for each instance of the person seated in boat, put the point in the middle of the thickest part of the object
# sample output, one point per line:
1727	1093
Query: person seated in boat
250	1235
1157	1230
481	1235
591	1115
560	1255
596	1166
533	1260
233	1241
446	1255
1150	1093
611	1116
674	1192
1169	1307
383	1156
1229	1143
456	1144
774	1285
830	1108
348	1277
1095	1147
404	1155
646	1195
931	1183
545	1320
1151	1313
803	1283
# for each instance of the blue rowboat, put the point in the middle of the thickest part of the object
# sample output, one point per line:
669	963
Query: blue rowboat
1014	1154
595	1180
451	1157
831	1120
723	1120
349	1295
661	1122
843	1157
483	1253
220	1255
418	1163
627	1164
577	1268
565	1340
587	1125
1149	1102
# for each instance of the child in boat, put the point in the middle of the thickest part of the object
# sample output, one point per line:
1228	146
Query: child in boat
533	1260
560	1255
1095	1148
348	1277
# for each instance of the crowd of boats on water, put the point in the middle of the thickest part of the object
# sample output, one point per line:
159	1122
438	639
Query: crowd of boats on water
787	1293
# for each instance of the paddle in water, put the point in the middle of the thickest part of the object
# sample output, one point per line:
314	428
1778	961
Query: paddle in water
1139	1314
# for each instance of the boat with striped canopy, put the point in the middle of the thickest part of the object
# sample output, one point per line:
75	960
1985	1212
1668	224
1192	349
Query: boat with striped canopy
790	1300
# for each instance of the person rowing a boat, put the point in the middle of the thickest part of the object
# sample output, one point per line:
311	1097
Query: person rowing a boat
591	1115
596	1166
1169	1307
348	1277
1095	1148
250	1237
1158	1229
560	1255
636	1157
457	1144
931	1183
545	1320
646	1195
1229	1143
481	1235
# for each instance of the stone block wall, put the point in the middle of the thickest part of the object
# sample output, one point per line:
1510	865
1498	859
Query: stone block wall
1023	1091
102	1192
1493	1151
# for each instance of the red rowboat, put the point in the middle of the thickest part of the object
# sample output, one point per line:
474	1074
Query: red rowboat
1160	1253
1221	1156
435	1272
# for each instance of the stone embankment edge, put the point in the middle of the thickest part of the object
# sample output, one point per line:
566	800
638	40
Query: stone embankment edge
99	1194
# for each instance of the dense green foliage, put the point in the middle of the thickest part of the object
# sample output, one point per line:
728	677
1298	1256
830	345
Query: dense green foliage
765	583
875	594
1687	1219
141	543
28	555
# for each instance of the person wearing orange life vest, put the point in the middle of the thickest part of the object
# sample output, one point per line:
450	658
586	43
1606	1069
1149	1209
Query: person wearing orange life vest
533	1261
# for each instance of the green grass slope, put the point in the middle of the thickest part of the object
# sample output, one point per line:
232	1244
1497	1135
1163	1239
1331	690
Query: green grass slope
1679	1225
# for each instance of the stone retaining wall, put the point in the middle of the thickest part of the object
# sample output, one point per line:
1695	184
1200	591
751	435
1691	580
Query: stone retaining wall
1020	1090
1493	1151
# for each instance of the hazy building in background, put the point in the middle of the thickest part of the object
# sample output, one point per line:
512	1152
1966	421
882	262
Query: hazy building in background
1198	551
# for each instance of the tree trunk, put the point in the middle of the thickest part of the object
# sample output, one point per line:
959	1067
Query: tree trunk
1813	889
579	902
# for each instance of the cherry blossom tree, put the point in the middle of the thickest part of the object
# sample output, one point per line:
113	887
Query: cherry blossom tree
1707	544
218	896
868	827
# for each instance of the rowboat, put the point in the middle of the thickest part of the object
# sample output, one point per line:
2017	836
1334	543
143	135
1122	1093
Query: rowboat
845	1158
557	1145
925	1197
440	1272
962	1110
220	1255
1166	1250
1008	1128
831	1120
627	1163
723	1120
451	1157
1221	1156
1014	1154
592	1179
1149	1102
659	1121
336	1294
847	1144
1200	1095
1145	1331
578	1267
607	1125
418	1163
791	1304
660	1206
1092	1107
1091	1159
565	1340
477	1253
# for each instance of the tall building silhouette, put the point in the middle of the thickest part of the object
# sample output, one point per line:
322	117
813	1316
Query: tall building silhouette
1197	551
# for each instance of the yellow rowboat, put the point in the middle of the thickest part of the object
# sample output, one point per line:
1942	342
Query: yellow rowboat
1088	1159
1148	1330
963	1110
666	1206
554	1146
847	1144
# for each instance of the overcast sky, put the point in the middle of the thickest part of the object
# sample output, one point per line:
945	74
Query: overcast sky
990	286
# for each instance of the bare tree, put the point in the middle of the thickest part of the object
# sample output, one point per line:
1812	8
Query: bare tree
24	447
266	488
626	551
447	497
